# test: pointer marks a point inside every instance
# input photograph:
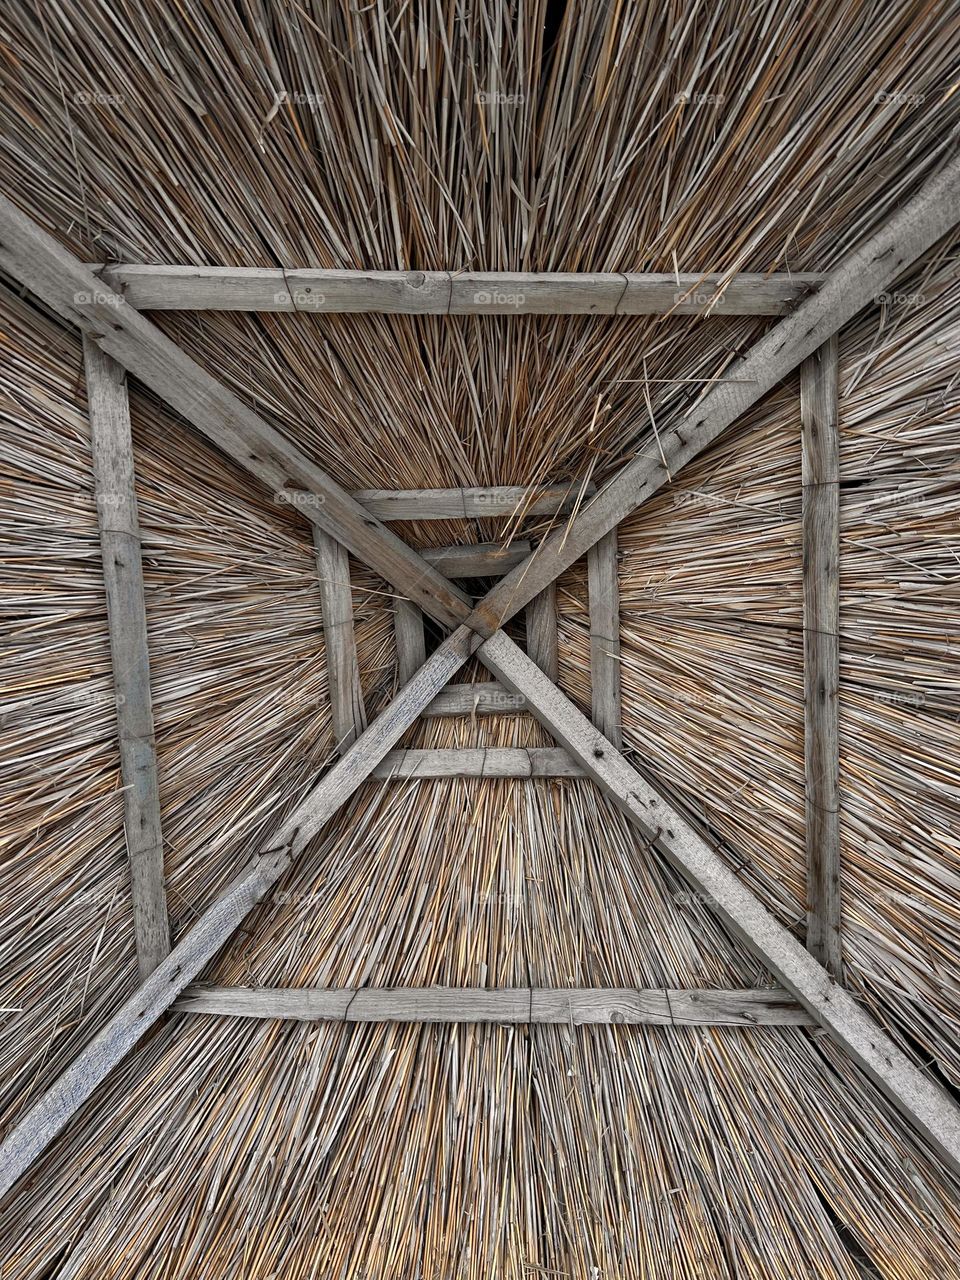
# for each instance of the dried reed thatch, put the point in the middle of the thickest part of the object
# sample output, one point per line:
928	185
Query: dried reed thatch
698	137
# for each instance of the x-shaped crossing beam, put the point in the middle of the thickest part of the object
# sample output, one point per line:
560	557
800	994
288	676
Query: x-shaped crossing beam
65	284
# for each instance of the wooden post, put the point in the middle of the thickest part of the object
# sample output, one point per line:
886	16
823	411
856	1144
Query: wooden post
109	412
821	650
343	670
603	590
543	642
411	642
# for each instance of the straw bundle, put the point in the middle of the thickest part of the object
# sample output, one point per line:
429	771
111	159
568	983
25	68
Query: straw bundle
700	137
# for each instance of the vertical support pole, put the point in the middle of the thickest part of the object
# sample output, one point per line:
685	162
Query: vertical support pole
411	642
112	448
343	669
821	618
603	589
543	641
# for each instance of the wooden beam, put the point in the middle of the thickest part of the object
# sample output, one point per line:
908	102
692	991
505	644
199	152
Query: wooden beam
410	639
469	504
116	500
479	762
821	649
489	698
178	288
543	639
44	267
340	641
918	1098
862	274
44	1120
603	591
553	1005
479	560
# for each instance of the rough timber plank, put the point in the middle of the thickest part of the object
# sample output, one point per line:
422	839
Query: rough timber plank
603	591
821	648
457	504
483	698
918	1098
479	762
855	283
410	639
48	270
177	288
557	1005
477	560
136	1015
340	642
543	640
116	500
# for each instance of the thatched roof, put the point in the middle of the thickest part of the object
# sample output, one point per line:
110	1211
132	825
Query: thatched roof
720	138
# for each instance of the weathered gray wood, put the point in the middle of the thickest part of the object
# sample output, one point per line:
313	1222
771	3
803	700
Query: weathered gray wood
116	501
479	560
478	762
488	698
543	640
340	641
136	1015
167	288
410	639
43	266
559	1005
821	648
921	1101
456	504
855	283
603	590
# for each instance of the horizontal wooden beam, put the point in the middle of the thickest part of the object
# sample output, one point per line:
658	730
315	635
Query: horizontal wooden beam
482	698
557	1005
478	762
178	288
476	503
480	560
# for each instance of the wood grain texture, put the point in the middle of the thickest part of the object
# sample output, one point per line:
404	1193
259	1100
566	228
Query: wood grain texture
557	1005
339	637
178	288
468	504
543	637
603	593
136	1015
861	275
821	649
477	560
480	698
479	762
410	639
116	500
922	1102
